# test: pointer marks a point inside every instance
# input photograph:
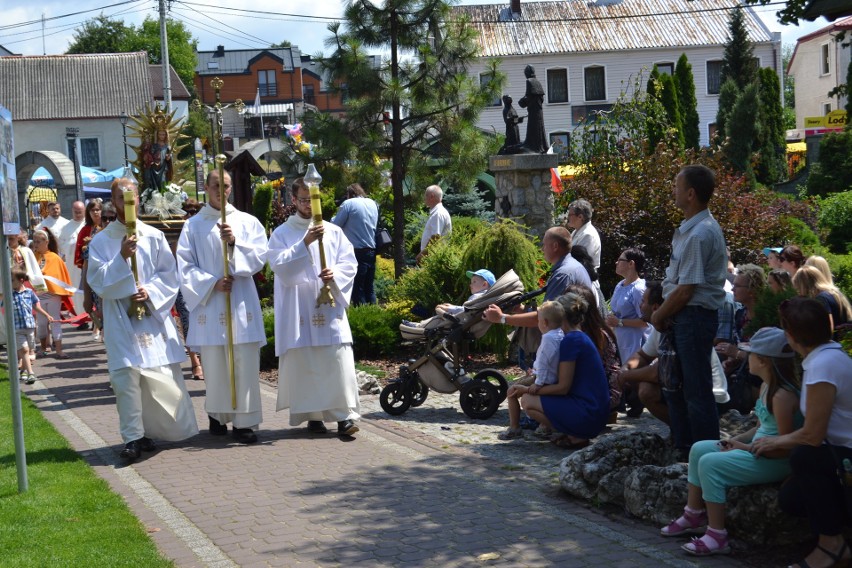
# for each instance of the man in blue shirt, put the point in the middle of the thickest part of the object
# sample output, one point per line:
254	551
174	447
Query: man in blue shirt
358	216
693	292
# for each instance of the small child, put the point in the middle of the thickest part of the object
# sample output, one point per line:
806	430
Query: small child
480	282
545	369
24	301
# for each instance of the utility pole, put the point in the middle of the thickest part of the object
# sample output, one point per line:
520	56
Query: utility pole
43	48
164	50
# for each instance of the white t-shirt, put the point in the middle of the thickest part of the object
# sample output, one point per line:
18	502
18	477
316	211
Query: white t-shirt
651	348
438	223
828	363
546	365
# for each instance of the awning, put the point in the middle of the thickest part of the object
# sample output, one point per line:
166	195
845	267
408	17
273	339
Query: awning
279	109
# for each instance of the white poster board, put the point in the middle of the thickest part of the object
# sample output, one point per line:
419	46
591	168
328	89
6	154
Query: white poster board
8	179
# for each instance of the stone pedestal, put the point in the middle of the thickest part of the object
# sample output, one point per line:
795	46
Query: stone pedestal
524	193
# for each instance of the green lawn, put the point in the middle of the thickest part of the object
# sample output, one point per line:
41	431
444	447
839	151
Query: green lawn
69	516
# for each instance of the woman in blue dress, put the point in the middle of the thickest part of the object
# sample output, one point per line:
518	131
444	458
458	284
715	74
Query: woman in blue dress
626	317
578	404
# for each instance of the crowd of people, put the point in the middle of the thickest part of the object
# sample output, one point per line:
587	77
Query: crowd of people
684	353
679	347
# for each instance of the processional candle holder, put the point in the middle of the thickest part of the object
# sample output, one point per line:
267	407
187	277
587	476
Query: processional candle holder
128	189
313	179
216	110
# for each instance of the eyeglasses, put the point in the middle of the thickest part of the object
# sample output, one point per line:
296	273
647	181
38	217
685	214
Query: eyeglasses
305	201
108	218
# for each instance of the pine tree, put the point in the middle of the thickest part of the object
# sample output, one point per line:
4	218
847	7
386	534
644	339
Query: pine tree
771	167
685	83
669	98
739	62
403	105
728	95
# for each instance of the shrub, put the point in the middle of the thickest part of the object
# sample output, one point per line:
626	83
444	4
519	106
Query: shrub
835	217
262	204
268	360
375	330
802	235
435	280
766	309
833	172
841	268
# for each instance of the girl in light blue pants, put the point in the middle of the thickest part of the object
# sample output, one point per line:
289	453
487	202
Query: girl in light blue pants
716	465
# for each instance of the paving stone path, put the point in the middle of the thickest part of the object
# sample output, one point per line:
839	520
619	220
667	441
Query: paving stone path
429	488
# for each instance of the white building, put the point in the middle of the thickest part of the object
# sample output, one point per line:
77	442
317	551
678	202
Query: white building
819	64
586	53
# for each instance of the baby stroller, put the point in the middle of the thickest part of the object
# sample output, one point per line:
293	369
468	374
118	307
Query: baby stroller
447	338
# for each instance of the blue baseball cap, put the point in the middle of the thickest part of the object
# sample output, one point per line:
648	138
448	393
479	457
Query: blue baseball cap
767	250
486	275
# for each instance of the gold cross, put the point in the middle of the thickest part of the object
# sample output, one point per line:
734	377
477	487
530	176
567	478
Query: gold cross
318	319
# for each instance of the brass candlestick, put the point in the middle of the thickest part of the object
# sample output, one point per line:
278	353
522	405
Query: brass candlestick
137	309
313	179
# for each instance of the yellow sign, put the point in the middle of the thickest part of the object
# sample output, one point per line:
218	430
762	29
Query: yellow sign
834	119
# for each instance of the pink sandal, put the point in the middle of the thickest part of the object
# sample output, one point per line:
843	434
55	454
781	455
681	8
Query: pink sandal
688	523
699	546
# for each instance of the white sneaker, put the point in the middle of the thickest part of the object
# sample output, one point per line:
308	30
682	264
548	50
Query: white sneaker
97	335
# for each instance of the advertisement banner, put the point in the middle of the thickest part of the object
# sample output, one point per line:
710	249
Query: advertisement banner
8	179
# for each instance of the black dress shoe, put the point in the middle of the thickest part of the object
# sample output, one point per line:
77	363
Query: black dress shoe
316	427
131	450
346	428
146	444
244	435
217	428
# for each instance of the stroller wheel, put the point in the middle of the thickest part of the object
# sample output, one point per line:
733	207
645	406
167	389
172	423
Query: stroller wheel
479	399
395	398
419	392
496	378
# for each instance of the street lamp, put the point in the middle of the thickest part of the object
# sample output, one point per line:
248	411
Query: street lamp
123	118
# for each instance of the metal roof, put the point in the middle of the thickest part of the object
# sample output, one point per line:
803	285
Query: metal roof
580	26
222	61
46	87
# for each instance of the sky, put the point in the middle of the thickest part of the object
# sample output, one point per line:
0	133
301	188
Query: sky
220	22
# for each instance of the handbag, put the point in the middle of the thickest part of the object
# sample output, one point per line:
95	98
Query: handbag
383	237
669	370
844	474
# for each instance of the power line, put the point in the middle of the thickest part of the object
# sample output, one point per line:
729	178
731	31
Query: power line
246	34
263	12
210	30
39	21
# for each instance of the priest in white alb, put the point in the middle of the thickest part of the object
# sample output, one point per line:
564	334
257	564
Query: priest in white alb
204	287
143	355
316	369
67	240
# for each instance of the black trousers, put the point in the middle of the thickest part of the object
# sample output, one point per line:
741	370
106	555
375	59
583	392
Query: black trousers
814	491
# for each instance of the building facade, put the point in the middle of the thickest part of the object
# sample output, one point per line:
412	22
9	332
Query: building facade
586	54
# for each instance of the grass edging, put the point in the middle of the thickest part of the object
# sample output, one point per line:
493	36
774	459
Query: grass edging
69	516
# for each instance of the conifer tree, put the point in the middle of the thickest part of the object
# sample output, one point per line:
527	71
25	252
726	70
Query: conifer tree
742	129
685	83
654	132
771	166
728	95
739	62
669	98
402	105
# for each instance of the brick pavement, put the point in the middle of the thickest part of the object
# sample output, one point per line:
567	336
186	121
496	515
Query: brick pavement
394	496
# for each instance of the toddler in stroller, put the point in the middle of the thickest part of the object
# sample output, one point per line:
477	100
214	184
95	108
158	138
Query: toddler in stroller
446	337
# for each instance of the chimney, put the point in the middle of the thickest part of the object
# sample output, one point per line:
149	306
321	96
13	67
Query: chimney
220	51
516	7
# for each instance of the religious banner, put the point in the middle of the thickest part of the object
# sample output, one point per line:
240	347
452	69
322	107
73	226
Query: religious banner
8	179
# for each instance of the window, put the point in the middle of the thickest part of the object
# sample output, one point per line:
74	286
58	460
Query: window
711	131
557	85
561	143
309	94
88	149
826	108
484	80
825	62
595	83
714	77
587	113
665	68
212	64
266	83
